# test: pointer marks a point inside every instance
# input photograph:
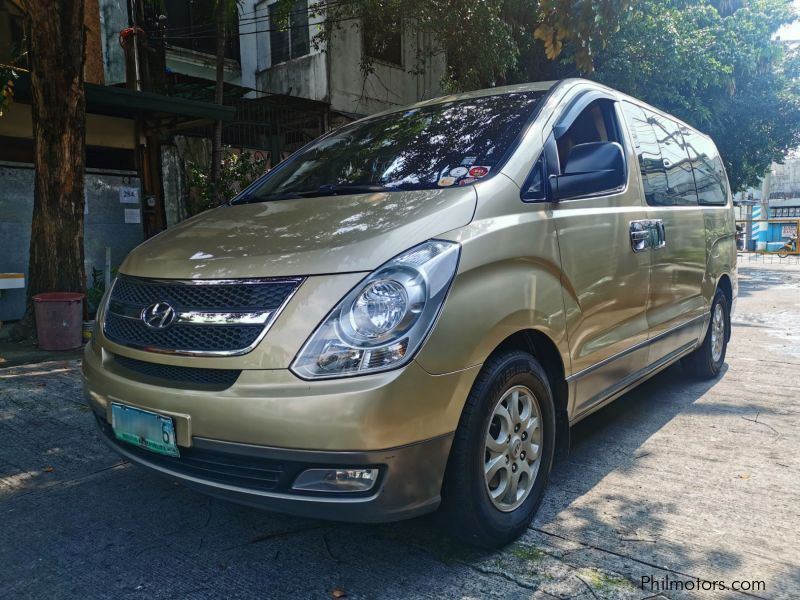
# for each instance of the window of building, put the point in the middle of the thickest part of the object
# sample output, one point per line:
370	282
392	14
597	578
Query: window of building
383	41
288	31
191	25
654	175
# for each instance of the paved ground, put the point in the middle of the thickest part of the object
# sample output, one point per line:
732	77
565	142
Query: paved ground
677	480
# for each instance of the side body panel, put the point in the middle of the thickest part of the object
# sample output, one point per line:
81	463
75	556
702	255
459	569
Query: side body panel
508	281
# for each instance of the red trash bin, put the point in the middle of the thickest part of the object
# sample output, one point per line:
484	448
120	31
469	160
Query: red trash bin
59	320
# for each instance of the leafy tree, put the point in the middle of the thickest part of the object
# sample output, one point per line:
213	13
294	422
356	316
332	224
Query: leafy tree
715	65
237	170
491	42
57	41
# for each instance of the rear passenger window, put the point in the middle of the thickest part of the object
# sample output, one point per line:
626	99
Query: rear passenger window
680	180
709	175
654	176
666	169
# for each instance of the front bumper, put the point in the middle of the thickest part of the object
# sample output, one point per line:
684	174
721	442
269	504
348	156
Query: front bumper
401	422
409	483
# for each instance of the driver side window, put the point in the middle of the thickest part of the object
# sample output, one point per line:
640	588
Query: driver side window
596	123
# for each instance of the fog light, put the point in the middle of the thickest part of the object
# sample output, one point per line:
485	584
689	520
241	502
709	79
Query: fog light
336	480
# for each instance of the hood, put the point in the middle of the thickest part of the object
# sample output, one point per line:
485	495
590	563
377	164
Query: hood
309	236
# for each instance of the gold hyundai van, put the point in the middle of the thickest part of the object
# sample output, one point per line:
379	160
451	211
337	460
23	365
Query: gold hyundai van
411	311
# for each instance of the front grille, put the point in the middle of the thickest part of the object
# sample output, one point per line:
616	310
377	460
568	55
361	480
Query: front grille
191	376
225	317
186	338
211	296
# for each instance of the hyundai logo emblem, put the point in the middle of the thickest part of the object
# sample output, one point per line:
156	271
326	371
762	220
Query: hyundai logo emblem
159	315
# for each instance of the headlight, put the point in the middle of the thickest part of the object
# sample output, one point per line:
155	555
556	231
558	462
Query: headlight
381	323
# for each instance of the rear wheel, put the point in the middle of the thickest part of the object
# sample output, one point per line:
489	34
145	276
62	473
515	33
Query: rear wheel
502	452
706	362
783	253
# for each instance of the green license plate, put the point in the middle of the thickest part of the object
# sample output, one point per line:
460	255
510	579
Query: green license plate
145	429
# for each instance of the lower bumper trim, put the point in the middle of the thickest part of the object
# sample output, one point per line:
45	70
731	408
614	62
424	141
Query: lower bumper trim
409	483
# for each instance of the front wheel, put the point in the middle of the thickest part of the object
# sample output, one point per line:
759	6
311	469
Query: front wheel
783	253
502	452
706	362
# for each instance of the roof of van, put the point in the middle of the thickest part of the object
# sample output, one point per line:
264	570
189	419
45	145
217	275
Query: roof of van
536	86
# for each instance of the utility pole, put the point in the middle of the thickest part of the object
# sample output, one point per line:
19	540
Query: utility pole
137	68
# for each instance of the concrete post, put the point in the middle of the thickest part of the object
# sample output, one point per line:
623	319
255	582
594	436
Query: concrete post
763	210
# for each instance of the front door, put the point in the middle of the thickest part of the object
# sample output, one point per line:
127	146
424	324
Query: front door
605	281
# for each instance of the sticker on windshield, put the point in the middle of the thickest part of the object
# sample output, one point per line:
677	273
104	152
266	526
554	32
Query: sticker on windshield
458	171
479	171
447	181
468	180
469	160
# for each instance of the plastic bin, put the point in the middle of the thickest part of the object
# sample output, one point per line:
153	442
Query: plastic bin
59	320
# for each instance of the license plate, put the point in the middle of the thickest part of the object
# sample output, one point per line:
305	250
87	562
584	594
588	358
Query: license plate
145	429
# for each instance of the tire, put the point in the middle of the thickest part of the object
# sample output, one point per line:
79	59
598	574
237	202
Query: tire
783	253
706	362
470	514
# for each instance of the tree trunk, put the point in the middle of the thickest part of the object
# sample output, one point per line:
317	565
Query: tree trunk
216	141
57	45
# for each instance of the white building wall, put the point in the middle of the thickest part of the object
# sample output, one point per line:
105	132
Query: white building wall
335	77
389	85
305	76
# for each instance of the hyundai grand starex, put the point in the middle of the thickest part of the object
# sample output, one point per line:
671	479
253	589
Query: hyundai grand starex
411	311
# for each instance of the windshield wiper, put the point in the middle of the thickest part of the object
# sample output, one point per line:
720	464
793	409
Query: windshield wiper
323	190
330	189
253	198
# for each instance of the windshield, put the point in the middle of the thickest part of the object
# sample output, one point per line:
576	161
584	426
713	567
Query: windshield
443	145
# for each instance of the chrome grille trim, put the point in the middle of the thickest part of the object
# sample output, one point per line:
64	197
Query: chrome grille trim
204	318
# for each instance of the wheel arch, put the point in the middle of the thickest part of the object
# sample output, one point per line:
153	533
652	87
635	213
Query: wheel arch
725	285
544	349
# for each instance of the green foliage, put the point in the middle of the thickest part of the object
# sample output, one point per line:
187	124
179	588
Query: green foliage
715	65
95	291
239	169
490	42
7	77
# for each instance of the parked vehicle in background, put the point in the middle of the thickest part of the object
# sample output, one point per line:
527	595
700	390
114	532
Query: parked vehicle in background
790	247
412	310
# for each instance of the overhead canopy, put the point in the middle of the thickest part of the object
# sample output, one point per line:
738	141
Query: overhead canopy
122	102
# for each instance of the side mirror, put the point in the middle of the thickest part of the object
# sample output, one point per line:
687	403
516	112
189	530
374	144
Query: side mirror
591	168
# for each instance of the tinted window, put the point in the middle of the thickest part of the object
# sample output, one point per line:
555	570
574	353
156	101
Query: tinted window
443	145
654	176
680	179
708	173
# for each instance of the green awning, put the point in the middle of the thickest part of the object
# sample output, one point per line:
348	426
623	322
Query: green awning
122	102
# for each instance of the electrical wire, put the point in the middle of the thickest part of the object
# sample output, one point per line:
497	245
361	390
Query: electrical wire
314	8
242	33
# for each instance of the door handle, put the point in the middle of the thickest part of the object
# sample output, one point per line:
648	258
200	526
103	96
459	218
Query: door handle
640	235
647	233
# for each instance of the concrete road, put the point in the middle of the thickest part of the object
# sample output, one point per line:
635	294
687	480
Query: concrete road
677	481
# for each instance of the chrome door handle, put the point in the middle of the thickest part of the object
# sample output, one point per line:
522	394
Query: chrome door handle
647	233
640	235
